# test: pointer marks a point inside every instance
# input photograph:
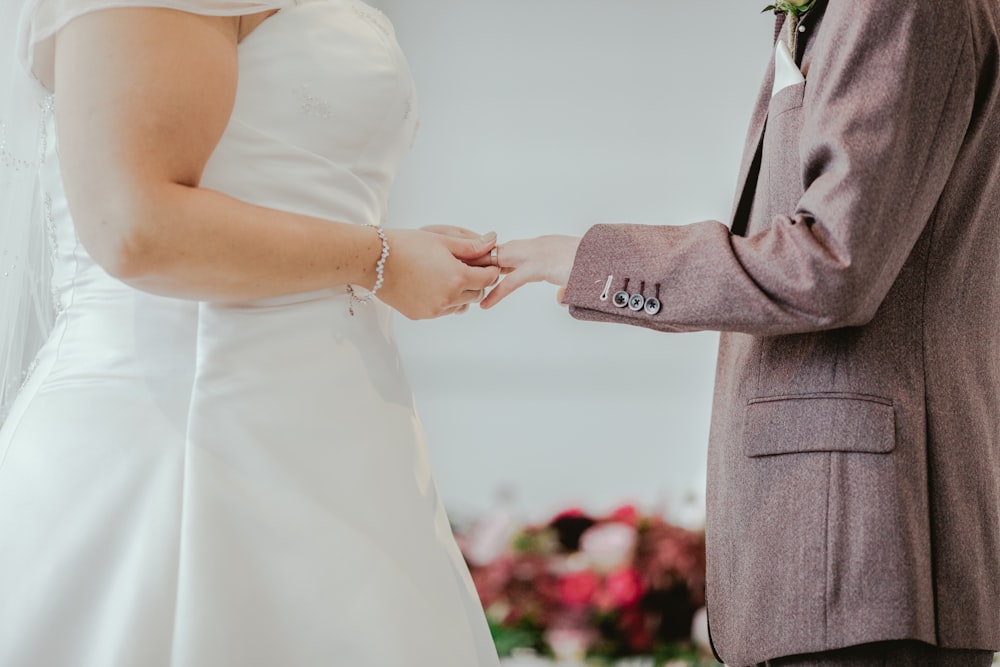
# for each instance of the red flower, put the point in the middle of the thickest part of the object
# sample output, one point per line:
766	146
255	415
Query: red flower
625	587
636	630
627	582
577	589
622	589
626	514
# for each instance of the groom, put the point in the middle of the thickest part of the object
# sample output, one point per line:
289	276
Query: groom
854	461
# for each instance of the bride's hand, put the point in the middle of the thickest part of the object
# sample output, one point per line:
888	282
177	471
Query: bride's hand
425	275
543	259
463	233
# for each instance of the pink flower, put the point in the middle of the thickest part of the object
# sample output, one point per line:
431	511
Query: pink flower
488	539
609	545
626	514
569	644
621	589
624	583
492	580
624	587
576	589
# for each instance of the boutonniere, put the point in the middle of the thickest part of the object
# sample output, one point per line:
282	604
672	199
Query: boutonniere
794	8
793	11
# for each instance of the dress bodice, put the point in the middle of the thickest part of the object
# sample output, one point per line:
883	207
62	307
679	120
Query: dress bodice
325	111
188	484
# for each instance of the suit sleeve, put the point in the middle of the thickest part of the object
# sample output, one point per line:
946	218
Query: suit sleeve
888	100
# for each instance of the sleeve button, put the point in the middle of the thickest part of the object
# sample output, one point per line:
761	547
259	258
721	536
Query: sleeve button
653	306
620	299
637	302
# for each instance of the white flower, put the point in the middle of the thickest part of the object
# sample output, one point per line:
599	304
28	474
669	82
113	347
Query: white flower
608	546
489	538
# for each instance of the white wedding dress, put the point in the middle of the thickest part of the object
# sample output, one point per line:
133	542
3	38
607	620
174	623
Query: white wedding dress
210	485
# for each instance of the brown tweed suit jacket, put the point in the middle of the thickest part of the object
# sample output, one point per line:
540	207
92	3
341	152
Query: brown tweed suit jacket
854	461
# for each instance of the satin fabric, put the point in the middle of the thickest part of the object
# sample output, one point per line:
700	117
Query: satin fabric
187	484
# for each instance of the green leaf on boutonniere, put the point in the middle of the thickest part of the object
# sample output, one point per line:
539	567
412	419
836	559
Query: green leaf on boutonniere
790	7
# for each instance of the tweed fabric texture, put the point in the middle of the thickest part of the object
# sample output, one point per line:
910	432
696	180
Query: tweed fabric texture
854	456
888	654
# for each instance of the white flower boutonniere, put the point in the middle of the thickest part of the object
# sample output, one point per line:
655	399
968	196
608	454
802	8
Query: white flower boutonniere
793	11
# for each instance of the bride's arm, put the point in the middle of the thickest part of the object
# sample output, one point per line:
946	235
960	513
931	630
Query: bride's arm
142	98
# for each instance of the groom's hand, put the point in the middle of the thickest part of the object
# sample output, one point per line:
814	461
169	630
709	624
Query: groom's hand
543	259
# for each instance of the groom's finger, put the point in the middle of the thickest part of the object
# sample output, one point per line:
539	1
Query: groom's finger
504	289
506	258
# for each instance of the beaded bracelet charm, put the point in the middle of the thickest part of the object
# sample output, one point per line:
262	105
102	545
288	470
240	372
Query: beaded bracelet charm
379	274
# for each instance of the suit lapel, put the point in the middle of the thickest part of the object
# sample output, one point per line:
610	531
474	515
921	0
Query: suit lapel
749	169
752	151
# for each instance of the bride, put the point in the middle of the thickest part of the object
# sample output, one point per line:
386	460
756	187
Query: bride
214	457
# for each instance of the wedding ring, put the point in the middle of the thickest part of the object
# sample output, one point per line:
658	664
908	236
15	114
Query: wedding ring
495	257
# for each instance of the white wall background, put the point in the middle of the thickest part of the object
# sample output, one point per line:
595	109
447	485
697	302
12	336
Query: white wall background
546	117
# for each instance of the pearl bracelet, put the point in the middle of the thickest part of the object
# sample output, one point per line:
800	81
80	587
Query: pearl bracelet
379	274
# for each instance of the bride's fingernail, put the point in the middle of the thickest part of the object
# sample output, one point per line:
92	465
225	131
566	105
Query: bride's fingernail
489	236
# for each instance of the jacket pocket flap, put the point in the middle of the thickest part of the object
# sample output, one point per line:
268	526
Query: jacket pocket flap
786	99
819	423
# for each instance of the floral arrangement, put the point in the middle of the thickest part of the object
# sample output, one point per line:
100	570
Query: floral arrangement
600	589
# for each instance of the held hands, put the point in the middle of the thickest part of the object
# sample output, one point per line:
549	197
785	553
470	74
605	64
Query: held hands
543	259
433	271
442	270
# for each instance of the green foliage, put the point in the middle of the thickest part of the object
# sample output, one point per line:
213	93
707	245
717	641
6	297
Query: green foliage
527	635
536	541
790	7
507	639
549	587
670	655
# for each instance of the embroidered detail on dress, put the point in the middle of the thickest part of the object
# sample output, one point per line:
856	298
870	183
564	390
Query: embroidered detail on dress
7	159
50	228
47	105
10	161
8	268
26	375
311	105
374	17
